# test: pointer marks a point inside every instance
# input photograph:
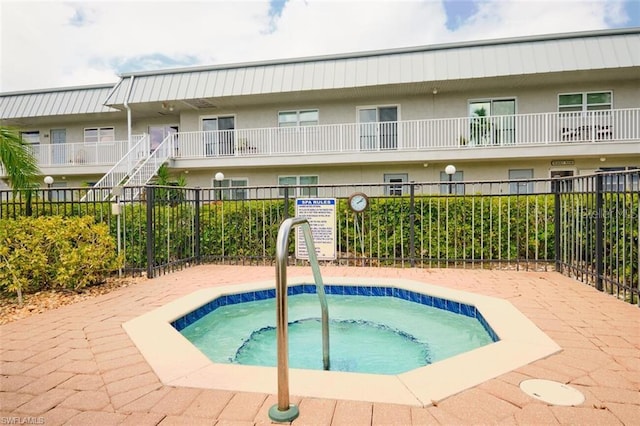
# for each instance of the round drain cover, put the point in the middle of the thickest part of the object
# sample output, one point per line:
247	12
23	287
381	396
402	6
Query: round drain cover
552	392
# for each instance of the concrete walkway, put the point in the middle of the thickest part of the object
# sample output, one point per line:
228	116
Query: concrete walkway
76	365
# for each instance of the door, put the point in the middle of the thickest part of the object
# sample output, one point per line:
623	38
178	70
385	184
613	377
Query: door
368	129
388	117
505	124
219	136
378	128
492	122
159	133
58	139
561	185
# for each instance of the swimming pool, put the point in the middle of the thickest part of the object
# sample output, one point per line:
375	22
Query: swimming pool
177	362
374	329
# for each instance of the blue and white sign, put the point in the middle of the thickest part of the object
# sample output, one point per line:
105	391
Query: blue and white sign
321	214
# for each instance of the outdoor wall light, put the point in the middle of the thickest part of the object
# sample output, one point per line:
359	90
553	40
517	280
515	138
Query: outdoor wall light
48	180
219	176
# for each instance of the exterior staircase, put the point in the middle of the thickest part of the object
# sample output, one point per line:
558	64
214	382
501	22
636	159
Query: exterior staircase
136	168
147	169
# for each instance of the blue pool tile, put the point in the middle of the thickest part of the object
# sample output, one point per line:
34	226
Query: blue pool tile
468	310
337	289
415	297
262	294
179	324
487	327
271	293
200	313
377	291
235	298
388	291
453	306
439	303
350	290
291	291
427	300
403	294
247	297
363	291
309	289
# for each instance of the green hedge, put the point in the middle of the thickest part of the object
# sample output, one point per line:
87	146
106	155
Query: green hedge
54	253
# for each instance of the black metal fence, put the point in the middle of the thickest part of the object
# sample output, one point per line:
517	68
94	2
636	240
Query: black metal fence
586	227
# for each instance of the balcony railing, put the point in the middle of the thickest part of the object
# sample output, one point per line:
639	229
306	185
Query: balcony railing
415	135
82	154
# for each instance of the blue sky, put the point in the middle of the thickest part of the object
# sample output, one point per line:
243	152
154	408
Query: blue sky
50	43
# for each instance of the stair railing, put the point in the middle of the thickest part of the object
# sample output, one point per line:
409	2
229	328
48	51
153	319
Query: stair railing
101	191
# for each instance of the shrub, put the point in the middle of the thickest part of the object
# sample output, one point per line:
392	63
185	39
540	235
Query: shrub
54	252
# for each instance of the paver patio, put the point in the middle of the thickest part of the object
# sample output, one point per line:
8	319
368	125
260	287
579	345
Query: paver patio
76	365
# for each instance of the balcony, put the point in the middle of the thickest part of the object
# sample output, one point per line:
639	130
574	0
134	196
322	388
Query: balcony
448	135
416	135
82	157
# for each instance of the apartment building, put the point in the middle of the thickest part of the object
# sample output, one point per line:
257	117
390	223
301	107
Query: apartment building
519	108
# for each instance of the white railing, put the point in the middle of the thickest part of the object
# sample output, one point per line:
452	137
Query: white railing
448	133
415	135
124	167
147	169
81	154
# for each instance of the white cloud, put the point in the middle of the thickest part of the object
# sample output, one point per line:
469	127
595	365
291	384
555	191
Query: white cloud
52	43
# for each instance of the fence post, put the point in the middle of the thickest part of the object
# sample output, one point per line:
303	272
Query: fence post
599	230
149	190
412	227
286	203
556	219
196	224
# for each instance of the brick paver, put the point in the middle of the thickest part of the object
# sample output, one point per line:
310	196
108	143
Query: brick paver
76	365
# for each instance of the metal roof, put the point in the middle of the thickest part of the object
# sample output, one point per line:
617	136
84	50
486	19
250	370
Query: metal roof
497	58
55	102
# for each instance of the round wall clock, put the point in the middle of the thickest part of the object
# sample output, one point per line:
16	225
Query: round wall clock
358	202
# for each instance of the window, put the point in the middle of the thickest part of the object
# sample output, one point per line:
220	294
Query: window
31	137
99	134
378	128
219	135
452	188
395	181
521	187
492	121
614	182
298	118
231	189
589	101
299	180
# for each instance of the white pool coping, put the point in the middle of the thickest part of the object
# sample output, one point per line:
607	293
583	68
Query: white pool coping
177	362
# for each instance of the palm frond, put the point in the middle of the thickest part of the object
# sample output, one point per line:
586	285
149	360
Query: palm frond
19	163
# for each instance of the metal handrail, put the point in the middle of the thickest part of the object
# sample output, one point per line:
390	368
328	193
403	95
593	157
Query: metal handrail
284	411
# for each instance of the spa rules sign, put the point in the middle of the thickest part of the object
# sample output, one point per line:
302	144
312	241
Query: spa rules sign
321	214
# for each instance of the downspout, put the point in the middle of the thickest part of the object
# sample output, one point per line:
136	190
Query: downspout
126	105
